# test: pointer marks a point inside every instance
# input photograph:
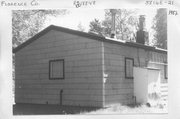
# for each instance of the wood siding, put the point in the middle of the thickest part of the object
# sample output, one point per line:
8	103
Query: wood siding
94	71
82	84
119	89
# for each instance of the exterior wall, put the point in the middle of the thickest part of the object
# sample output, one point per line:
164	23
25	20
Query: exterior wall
158	60
117	88
82	85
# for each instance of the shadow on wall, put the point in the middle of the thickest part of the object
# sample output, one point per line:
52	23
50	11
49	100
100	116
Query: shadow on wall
38	109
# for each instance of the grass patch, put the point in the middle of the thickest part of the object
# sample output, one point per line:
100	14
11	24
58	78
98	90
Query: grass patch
129	109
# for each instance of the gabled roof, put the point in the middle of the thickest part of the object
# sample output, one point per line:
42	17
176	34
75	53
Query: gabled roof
87	35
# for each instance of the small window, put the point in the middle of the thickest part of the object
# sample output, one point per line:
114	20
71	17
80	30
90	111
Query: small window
165	71
129	63
56	69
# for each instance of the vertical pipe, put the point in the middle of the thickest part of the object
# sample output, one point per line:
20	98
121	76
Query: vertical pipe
134	100
113	22
61	92
113	28
142	22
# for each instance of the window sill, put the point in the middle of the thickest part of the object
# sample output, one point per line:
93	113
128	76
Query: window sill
129	77
56	78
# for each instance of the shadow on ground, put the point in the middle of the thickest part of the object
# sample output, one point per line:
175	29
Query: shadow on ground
43	109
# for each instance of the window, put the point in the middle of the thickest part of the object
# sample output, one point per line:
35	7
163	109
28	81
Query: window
56	69
129	63
165	71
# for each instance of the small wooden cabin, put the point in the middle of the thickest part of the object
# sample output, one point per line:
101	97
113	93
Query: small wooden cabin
69	67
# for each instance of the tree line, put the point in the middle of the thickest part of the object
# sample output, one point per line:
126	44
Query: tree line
26	23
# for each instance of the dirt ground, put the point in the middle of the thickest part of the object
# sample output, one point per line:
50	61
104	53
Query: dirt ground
47	109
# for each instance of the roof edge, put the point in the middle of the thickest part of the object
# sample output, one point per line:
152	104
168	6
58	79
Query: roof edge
57	28
151	48
30	40
91	36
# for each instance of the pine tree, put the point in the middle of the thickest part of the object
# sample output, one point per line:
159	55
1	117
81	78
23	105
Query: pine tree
160	28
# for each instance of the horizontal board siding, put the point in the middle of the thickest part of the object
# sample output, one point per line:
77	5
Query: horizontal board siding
164	92
116	83
117	88
161	67
83	70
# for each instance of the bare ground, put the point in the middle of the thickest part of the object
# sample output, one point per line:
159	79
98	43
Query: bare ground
130	109
43	109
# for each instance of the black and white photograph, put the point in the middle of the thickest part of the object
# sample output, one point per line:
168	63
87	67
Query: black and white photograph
89	59
100	61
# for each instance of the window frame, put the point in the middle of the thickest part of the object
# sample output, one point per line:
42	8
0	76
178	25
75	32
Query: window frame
132	59
56	78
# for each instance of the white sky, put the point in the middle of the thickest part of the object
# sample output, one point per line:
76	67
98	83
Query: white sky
76	16
85	16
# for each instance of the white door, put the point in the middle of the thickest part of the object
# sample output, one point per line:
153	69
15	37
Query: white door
153	86
140	84
146	85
